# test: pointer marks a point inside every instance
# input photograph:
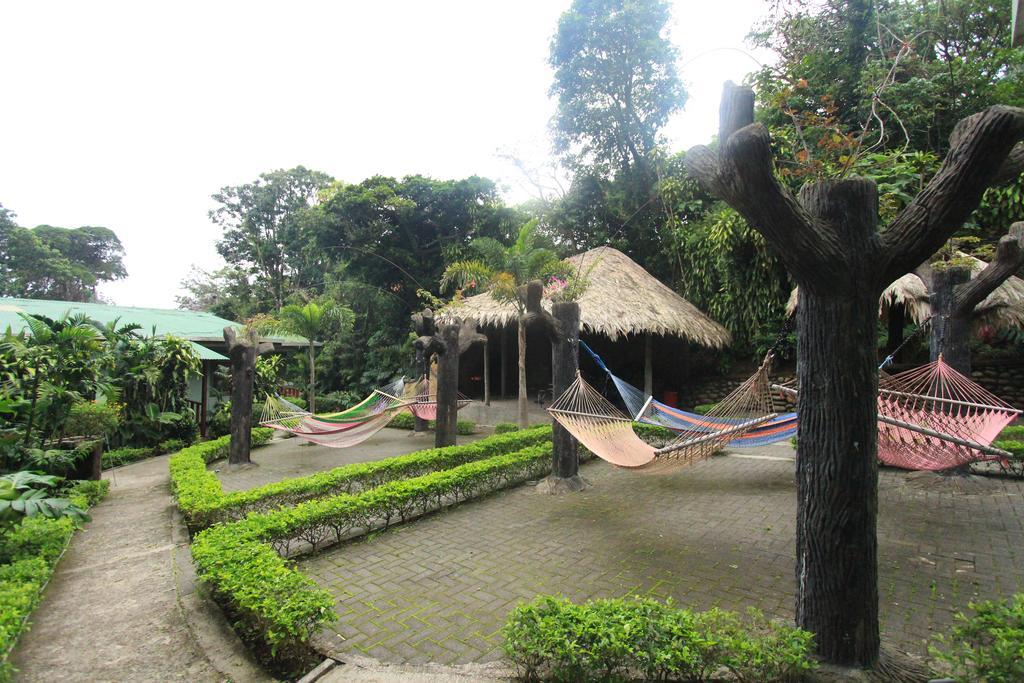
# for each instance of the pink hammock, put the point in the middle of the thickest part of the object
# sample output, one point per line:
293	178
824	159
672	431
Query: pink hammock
423	404
937	397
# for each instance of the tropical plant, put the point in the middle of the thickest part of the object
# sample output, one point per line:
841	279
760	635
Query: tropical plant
504	272
313	320
26	494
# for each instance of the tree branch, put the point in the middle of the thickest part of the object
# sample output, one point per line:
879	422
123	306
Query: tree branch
742	175
981	145
1008	258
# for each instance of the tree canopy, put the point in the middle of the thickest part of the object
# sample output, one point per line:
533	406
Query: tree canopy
48	262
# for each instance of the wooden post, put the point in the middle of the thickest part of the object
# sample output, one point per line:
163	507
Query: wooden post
242	351
204	401
447	387
487	373
423	324
562	327
648	365
503	361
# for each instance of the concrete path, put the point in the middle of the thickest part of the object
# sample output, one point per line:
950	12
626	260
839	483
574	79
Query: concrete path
122	604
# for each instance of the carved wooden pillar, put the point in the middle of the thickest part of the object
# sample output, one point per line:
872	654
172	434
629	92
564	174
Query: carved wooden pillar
242	351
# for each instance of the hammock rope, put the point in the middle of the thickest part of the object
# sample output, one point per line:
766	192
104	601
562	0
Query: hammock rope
341	429
422	402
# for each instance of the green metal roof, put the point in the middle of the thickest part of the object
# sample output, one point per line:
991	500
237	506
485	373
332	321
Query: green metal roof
205	353
195	326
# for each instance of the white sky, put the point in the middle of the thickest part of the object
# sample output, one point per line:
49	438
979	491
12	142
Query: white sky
130	115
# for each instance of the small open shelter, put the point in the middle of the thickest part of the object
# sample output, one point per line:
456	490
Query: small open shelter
622	302
204	331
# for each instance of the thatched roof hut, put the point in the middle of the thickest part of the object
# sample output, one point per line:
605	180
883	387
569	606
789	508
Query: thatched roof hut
621	298
1004	307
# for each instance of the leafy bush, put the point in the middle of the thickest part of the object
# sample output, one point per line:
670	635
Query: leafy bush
704	408
283	607
89	418
26	494
1012	434
28	553
170	446
988	646
505	427
336	401
608	639
407	421
402	421
203	502
123	456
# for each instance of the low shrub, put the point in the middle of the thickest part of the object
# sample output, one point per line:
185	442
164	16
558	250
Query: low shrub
88	418
202	501
171	446
553	638
29	551
123	456
653	434
505	427
402	421
406	421
987	646
704	408
1012	434
279	605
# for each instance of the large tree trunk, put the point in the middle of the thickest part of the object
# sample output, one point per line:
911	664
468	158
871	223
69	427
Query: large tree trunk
243	372
447	387
565	462
524	417
242	353
951	328
836	568
312	379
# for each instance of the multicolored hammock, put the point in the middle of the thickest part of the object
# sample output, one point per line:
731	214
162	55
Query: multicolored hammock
608	432
423	404
337	430
646	409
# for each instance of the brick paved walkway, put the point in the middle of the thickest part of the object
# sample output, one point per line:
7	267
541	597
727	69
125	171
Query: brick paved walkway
720	533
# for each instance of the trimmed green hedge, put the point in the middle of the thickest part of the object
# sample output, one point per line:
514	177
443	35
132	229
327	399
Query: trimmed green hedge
506	427
203	502
406	421
553	638
279	605
29	552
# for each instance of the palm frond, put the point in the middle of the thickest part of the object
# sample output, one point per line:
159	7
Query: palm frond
462	274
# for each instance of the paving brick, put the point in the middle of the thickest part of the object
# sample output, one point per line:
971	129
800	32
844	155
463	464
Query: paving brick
721	533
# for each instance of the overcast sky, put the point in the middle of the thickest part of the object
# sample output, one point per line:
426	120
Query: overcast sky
130	115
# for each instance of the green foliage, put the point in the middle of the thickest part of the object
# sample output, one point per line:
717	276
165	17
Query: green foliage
123	456
988	645
27	494
57	263
505	427
28	553
704	408
553	638
201	500
91	418
407	421
283	607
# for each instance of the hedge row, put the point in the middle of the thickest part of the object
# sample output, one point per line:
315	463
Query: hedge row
203	502
553	638
28	554
282	607
407	421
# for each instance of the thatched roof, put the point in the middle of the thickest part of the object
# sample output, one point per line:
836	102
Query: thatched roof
621	298
1004	307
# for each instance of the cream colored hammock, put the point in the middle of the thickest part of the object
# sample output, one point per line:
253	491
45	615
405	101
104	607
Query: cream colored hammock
608	433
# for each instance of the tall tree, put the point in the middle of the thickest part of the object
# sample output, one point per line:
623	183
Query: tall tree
313	320
504	271
615	80
47	262
829	240
264	227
